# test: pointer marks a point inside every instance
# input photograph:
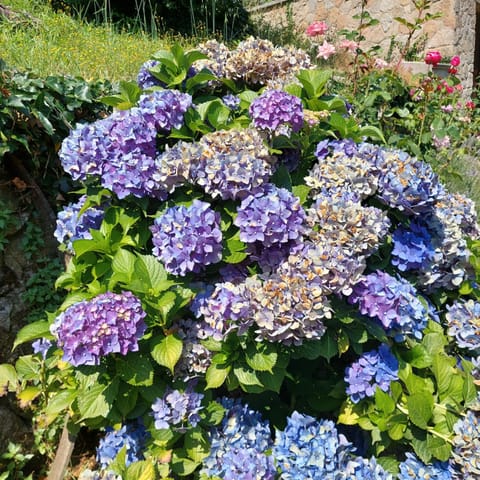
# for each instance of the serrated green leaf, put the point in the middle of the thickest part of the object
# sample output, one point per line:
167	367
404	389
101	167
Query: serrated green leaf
302	192
97	400
59	403
196	444
8	377
216	375
32	331
261	357
443	370
183	466
246	376
142	470
28	367
135	369
420	408
438	447
384	402
167	351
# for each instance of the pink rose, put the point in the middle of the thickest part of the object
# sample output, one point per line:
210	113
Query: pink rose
433	58
349	45
326	50
316	28
455	61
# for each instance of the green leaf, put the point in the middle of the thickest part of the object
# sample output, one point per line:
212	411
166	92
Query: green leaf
167	351
281	178
434	342
397	431
96	400
196	444
261	356
59	403
384	401
216	375
302	192
443	370
246	376
418	357
124	262
311	350
31	332
438	447
150	276
8	377
136	369
314	81
183	466
142	470
328	345
28	367
420	408
372	132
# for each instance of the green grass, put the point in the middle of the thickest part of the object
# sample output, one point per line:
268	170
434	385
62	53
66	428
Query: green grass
49	43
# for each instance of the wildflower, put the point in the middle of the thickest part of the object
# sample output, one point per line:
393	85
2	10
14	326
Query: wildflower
316	28
349	45
377	368
186	239
91	329
326	50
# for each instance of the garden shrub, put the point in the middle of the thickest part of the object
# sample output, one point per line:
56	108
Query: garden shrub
254	290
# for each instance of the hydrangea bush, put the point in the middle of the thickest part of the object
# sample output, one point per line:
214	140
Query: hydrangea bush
257	289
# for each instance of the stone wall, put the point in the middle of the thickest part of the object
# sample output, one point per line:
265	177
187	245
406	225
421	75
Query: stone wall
452	34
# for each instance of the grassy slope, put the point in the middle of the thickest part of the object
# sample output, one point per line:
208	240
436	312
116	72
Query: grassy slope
49	43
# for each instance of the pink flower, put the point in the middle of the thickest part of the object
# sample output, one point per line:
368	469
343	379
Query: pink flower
433	58
316	28
349	45
380	63
455	61
470	105
326	50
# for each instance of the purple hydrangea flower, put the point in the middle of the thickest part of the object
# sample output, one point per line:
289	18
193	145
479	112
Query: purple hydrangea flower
310	449
71	225
131	435
186	239
373	369
392	301
145	79
412	247
42	346
274	109
178	409
238	447
226	309
92	329
270	257
412	468
234	163
272	216
165	108
327	147
463	319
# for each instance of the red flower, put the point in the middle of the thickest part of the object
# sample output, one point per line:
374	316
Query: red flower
470	105
452	70
455	61
433	58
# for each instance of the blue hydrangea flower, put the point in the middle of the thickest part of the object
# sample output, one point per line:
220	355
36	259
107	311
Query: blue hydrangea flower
231	101
274	109
408	184
327	147
310	449
373	369
145	79
131	436
92	329
186	239
359	468
71	225
465	459
239	446
234	163
178	409
463	319
412	247
165	108
272	216
392	301
412	468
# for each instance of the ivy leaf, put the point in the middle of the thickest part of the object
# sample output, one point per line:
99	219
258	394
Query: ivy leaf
167	351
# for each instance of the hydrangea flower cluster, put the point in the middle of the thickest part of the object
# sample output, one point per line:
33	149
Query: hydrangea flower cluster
274	109
238	448
131	436
226	309
364	469
412	468
91	329
286	308
233	164
73	225
42	346
145	79
412	247
186	239
271	216
327	147
376	368
310	449
177	409
463	319
165	108
392	301
466	445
